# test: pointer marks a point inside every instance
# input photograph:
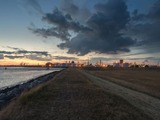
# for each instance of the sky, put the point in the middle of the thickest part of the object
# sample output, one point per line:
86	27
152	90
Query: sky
40	31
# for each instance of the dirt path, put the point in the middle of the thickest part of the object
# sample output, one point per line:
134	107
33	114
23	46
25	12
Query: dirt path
149	105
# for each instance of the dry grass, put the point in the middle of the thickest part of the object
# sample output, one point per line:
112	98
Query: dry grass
147	81
70	97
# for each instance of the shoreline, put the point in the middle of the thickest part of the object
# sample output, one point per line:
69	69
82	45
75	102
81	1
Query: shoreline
11	92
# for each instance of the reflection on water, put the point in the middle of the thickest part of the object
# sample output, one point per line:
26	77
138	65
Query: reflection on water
13	75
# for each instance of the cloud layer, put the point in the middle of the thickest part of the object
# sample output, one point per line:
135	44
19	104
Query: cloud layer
61	25
106	36
111	29
81	13
65	58
32	4
21	53
146	28
18	53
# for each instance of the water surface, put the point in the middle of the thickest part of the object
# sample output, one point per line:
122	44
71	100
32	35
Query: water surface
16	75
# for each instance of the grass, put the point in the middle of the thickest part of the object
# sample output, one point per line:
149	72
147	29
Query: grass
70	96
32	96
143	80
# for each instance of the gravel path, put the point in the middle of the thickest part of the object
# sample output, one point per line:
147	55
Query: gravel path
149	105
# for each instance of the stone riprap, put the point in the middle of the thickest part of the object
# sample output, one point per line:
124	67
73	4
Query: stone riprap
8	93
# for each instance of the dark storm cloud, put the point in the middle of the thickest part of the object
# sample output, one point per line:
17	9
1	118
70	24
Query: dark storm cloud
102	33
80	13
147	30
111	29
64	58
61	24
63	21
154	12
70	7
136	16
63	35
107	23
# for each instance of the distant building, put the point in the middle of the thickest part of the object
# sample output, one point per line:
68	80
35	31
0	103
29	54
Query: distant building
116	65
126	65
48	65
121	61
121	64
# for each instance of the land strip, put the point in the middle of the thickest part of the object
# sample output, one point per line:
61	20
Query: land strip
142	80
148	104
70	96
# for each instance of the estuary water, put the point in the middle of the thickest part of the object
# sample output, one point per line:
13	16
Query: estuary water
17	75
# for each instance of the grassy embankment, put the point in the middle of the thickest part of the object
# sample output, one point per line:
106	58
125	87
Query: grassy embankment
70	96
143	80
